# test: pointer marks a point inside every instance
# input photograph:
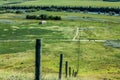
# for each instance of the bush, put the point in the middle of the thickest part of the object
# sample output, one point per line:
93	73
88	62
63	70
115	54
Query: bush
43	17
31	17
57	18
19	12
30	10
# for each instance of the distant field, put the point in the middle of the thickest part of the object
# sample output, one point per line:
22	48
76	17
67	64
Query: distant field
92	3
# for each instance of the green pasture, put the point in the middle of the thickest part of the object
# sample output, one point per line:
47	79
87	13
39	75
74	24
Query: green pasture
15	26
73	3
93	3
97	62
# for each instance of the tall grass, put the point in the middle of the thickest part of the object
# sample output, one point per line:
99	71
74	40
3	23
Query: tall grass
11	75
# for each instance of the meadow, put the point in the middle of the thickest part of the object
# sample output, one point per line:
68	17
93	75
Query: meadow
97	62
87	3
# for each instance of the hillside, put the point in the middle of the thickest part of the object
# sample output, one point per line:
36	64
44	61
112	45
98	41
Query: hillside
96	60
83	37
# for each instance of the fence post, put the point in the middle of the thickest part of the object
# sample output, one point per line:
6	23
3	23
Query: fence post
69	71
66	69
38	60
73	73
60	67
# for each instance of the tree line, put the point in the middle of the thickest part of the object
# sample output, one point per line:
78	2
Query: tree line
65	8
43	17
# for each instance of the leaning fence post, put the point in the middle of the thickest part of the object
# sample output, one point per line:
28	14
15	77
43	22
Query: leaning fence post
69	71
66	69
38	60
60	67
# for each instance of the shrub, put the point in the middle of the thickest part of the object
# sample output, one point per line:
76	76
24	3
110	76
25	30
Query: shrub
43	17
31	17
18	12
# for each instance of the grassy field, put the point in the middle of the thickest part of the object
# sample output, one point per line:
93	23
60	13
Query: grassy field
93	3
17	43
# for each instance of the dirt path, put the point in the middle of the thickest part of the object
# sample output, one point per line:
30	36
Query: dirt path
76	34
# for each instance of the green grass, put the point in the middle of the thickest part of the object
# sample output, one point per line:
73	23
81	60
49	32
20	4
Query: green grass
93	61
70	3
5	75
96	61
15	47
93	3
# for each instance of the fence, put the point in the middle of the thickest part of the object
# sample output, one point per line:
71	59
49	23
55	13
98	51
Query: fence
38	64
65	69
73	56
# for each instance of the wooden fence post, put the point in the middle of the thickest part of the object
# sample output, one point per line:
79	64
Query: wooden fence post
38	60
73	73
60	67
69	71
66	69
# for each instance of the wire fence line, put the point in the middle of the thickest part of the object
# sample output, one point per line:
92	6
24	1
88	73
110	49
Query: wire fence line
16	40
66	40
